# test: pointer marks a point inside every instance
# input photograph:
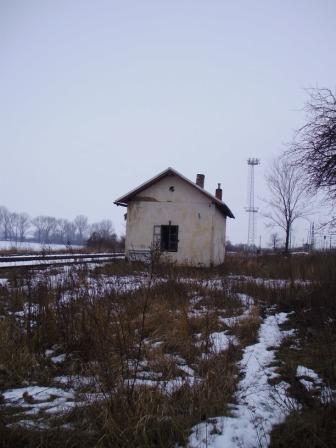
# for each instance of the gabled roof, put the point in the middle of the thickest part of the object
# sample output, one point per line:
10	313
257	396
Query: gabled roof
123	200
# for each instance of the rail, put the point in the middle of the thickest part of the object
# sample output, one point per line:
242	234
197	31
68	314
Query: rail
15	261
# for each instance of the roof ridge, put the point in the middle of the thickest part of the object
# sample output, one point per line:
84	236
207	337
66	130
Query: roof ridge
127	197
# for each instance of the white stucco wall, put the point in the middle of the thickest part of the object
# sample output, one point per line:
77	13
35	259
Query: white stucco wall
219	237
201	225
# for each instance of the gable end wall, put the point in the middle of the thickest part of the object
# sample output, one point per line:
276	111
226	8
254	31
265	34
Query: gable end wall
201	225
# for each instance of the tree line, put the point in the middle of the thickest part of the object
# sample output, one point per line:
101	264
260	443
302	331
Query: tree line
20	227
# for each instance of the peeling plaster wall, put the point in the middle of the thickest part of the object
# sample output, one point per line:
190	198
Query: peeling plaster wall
201	225
219	237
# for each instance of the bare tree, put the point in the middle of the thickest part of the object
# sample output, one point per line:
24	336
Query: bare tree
45	227
57	235
3	212
69	231
274	240
103	235
11	224
81	223
314	146
38	223
288	197
104	228
6	219
23	224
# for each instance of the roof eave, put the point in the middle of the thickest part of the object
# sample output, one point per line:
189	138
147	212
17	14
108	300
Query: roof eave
222	207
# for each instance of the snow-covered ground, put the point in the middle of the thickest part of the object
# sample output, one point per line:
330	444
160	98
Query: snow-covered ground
33	399
30	246
35	404
268	282
9	264
260	405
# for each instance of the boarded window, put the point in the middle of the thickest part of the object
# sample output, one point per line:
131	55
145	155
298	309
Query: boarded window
169	238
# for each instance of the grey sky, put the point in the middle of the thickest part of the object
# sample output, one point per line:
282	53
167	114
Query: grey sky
96	97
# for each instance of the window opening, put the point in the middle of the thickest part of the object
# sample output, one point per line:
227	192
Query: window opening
169	238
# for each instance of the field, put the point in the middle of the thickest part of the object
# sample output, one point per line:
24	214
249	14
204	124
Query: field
133	355
31	247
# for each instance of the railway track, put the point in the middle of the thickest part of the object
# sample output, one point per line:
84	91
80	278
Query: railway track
17	261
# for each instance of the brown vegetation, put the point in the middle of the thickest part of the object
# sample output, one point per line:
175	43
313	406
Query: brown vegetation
141	335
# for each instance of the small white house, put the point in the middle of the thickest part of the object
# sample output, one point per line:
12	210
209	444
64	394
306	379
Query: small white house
178	217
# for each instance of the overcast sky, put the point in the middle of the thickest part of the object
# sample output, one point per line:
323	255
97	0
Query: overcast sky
98	96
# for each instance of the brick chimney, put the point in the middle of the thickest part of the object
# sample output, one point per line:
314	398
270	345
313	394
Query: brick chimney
219	192
200	180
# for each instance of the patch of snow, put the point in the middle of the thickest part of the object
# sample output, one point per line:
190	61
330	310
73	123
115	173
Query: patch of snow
157	344
38	394
32	400
196	299
260	405
268	282
107	284
188	370
28	308
304	371
31	424
210	283
58	359
289	333
313	383
28	245
221	341
8	264
308	385
181	363
245	299
134	364
234	320
198	312
149	375
76	381
167	387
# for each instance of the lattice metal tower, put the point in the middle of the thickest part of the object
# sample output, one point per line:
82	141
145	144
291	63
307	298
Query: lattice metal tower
251	209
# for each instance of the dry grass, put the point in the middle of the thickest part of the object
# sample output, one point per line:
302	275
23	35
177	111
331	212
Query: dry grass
311	266
160	332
